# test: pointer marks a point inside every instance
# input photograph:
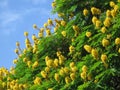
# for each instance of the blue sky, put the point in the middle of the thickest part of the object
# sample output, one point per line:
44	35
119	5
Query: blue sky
17	16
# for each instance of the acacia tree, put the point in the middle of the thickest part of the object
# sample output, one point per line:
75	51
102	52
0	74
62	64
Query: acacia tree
79	50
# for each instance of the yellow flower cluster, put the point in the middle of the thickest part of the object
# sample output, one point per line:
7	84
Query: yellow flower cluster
88	34
117	41
85	12
37	80
105	42
63	33
76	29
88	48
94	53
83	75
95	11
71	49
104	58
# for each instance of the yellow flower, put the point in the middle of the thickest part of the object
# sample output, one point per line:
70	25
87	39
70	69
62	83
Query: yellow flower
55	29
75	28
63	33
45	25
119	50
25	59
37	80
50	22
34	26
40	34
94	53
17	51
48	32
47	69
71	49
83	75
27	41
36	64
72	76
112	4
84	68
103	58
58	53
66	70
74	69
116	8
72	64
113	13
94	19
118	0
53	4
29	63
98	24
107	22
63	23
85	12
50	89
108	36
15	61
67	80
108	13
26	34
56	62
117	41
88	34
87	48
61	72
57	77
61	57
44	74
103	29
34	37
105	42
49	63
17	44
95	11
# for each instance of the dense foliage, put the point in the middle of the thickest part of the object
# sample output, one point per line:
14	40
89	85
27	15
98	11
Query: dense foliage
80	50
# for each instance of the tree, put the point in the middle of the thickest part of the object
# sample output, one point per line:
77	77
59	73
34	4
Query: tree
79	50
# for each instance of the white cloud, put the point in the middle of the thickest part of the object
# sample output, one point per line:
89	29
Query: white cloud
8	17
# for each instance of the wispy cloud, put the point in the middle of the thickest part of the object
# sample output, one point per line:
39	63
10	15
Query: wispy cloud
8	17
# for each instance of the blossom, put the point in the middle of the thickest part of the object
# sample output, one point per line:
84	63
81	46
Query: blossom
88	34
34	26
67	79
105	42
63	23
72	76
63	33
112	4
72	64
87	48
84	68
103	29
94	53
85	12
108	13
117	41
103	58
94	19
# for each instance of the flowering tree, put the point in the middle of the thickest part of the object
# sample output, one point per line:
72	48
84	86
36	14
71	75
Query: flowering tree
79	50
